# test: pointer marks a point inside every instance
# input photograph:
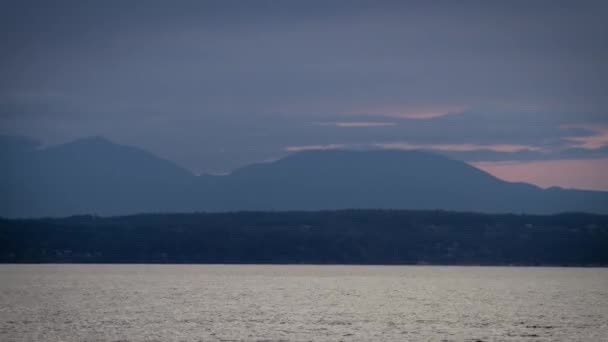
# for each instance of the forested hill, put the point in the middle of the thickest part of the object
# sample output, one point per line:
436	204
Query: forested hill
325	237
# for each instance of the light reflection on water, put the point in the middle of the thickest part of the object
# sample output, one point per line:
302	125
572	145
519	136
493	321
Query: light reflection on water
301	303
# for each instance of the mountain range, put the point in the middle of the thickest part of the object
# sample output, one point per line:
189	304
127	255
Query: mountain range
97	176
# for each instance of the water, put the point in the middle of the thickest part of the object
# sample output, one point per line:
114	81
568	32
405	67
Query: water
301	303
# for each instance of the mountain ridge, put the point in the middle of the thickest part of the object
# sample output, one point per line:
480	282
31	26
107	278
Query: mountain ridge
97	176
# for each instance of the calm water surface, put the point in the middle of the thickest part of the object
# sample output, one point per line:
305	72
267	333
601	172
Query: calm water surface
301	303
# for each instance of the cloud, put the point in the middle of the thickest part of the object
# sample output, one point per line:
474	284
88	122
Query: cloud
319	58
314	147
220	143
458	147
215	86
357	124
475	153
526	155
579	174
598	139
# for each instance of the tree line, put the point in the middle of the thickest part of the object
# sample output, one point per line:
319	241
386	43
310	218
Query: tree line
323	237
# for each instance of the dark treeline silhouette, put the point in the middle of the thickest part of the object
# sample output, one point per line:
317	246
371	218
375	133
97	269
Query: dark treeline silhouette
325	237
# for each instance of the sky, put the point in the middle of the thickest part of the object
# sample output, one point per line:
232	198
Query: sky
517	88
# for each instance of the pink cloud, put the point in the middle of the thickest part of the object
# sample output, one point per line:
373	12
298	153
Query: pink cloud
410	112
358	124
579	174
460	147
313	147
597	140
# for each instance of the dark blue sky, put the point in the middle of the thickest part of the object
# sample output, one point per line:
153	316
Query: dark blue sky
214	85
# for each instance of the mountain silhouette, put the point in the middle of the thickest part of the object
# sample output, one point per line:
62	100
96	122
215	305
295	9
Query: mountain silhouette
91	175
96	176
